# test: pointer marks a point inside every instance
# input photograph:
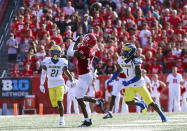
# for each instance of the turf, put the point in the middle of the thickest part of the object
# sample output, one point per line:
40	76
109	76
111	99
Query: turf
120	122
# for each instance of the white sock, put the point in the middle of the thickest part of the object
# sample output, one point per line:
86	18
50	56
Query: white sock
61	118
87	119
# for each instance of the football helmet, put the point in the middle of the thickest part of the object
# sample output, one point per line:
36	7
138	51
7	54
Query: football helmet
89	40
55	52
128	50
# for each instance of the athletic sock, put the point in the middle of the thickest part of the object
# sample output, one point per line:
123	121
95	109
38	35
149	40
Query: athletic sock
61	118
162	116
87	119
141	104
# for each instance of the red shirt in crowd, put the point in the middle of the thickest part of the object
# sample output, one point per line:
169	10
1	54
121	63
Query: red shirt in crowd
171	60
19	27
155	69
27	73
15	73
97	21
174	21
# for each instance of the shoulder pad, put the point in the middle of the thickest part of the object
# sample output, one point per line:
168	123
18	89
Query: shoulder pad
64	61
137	61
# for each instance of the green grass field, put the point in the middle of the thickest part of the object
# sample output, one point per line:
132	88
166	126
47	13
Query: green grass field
122	122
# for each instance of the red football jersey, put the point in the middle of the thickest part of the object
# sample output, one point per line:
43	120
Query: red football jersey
85	64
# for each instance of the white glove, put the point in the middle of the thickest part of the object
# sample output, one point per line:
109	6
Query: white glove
42	88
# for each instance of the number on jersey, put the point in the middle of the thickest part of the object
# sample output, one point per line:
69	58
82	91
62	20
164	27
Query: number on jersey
54	73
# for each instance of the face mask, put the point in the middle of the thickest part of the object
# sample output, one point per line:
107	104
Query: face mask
12	37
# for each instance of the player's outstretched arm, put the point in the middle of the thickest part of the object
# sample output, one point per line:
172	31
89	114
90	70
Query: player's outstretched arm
67	73
72	50
136	78
42	79
115	75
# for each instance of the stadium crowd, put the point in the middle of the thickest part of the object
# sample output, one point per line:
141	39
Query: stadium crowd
156	27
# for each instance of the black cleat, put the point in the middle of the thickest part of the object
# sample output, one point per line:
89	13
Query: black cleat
108	115
101	105
86	123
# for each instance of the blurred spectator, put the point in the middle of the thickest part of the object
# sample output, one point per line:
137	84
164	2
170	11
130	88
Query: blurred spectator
27	72
176	50
174	81
156	84
147	7
148	59
30	60
155	68
174	19
150	48
40	55
180	67
15	72
69	10
139	53
169	61
109	68
12	46
85	24
144	34
99	68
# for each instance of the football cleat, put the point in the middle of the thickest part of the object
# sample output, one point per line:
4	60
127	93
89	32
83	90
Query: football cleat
164	120
61	123
108	115
101	105
145	107
86	123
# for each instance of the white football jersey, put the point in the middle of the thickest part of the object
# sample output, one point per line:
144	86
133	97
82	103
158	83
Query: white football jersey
129	70
174	81
55	71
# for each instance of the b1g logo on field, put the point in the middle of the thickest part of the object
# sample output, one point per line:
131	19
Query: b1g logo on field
15	85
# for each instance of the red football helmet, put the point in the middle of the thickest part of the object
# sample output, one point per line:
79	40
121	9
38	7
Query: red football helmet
89	40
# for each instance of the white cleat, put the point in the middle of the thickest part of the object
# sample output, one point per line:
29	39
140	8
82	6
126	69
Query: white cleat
61	123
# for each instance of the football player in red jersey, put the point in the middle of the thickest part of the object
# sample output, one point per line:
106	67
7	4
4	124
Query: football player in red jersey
85	54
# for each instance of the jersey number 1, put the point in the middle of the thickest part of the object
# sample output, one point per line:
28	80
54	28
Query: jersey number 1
54	73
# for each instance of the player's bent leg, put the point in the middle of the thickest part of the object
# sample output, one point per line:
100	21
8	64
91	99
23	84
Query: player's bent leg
109	113
158	110
87	121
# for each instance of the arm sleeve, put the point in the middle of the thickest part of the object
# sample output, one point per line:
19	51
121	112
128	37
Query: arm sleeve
43	76
70	51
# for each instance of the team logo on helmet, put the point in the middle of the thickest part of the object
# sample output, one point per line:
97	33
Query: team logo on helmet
55	52
128	50
89	40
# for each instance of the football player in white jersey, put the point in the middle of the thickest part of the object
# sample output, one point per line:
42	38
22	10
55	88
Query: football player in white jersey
155	94
174	81
54	67
130	64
